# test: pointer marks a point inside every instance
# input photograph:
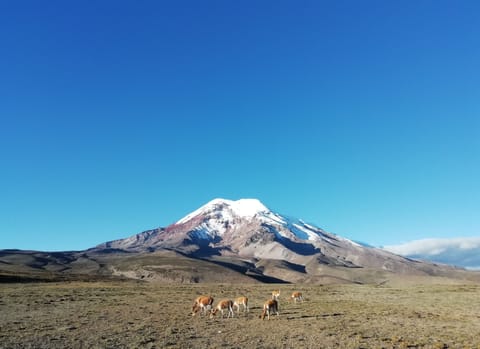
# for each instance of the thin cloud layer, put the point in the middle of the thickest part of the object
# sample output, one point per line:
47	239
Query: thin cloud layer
463	252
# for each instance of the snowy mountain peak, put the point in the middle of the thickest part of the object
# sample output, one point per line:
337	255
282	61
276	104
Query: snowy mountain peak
221	217
248	207
244	208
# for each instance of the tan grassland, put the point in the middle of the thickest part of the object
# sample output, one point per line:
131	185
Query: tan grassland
147	315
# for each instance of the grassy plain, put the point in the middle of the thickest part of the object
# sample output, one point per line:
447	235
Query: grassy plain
147	315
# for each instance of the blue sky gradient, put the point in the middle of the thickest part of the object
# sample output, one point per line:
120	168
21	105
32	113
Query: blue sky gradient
118	116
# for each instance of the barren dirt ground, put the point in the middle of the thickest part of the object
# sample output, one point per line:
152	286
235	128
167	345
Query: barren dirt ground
140	315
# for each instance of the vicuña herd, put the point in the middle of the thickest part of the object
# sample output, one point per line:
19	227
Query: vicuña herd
204	305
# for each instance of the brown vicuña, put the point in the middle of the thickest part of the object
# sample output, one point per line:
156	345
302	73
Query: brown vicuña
270	306
224	304
297	296
241	301
275	294
202	304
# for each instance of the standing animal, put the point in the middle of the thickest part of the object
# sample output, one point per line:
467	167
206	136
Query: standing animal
275	294
297	296
202	304
224	304
241	301
270	306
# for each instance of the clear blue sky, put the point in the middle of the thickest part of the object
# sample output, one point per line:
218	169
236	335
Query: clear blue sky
362	117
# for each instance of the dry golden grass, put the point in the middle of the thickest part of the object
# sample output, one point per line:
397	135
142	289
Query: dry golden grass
142	315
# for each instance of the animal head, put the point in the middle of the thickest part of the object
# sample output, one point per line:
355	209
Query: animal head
213	313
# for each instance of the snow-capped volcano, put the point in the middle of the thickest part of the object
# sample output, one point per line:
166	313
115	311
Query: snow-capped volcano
246	228
246	235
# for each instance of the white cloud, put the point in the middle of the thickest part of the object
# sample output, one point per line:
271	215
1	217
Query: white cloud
464	252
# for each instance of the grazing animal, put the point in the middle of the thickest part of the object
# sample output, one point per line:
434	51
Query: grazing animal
297	296
202	304
275	294
270	306
241	301
224	304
